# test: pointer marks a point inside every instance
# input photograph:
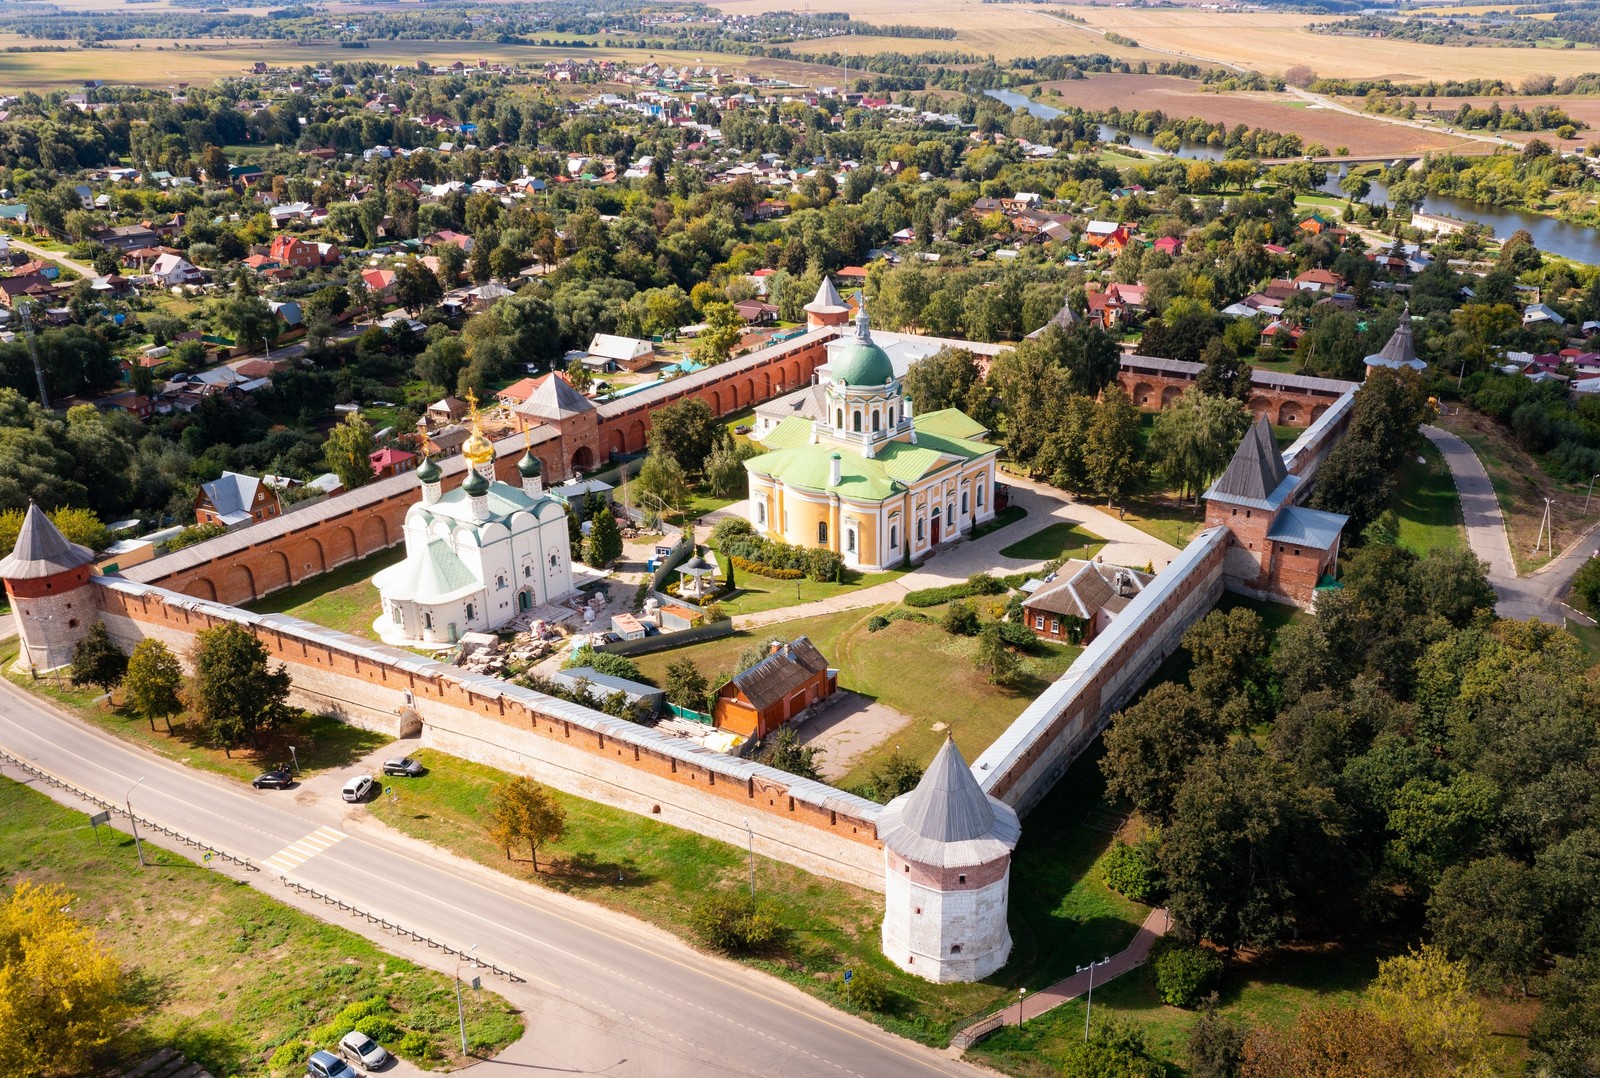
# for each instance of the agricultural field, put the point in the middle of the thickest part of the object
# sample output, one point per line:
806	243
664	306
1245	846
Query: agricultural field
1272	111
1271	42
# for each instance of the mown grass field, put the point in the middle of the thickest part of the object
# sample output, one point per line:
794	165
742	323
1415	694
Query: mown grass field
1059	540
219	970
754	593
1427	504
343	599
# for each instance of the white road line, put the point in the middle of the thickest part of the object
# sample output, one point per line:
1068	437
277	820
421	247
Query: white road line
302	850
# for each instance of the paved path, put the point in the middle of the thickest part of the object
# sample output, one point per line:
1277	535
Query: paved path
59	259
604	993
1125	545
1037	1003
1536	596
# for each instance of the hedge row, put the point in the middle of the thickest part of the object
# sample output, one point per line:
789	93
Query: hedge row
761	568
977	584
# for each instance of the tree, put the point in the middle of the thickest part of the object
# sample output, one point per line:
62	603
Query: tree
80	526
686	685
235	692
247	319
686	431
1216	1046
1563	1040
1194	440
1490	914
214	163
662	482
1229	649
1436	825
348	451
579	376
996	659
98	661
1113	1049
944	379
604	545
1430	998
452	260
1330	1042
1151	743
415	286
785	752
1223	374
520	811
1111	450
62	992
723	329
153	682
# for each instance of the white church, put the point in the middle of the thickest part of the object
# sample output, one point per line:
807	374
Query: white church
477	557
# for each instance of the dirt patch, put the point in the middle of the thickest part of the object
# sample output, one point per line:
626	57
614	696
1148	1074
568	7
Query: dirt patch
850	726
1275	112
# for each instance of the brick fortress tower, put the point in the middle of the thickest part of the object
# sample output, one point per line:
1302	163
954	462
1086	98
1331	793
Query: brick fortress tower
947	874
47	578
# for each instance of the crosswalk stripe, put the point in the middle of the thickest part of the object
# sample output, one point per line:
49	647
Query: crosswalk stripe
303	849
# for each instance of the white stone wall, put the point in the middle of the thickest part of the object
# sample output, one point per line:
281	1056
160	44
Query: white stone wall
921	924
50	626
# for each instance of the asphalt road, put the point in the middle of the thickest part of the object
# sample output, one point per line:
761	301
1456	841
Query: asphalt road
604	993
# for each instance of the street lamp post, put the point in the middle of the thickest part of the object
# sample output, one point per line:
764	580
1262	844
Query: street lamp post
1586	497
461	1014
1021	995
127	799
752	837
1089	1004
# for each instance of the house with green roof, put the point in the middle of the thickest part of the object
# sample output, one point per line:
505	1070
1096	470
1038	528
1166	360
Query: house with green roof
866	477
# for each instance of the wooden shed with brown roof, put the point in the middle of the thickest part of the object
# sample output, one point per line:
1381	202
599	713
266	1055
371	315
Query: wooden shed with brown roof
790	679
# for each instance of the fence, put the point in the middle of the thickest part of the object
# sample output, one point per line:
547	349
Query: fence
401	930
671	640
150	825
689	715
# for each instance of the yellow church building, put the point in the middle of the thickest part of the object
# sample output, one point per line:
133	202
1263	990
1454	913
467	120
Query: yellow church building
863	476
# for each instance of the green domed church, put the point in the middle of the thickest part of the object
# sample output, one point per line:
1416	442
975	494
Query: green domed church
869	479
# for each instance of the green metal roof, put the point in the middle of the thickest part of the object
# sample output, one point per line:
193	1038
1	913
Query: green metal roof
801	464
950	422
807	467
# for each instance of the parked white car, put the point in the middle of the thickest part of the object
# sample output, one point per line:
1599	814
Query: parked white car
357	788
362	1049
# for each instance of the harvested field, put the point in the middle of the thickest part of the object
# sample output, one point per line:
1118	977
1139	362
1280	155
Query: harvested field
157	63
1271	42
1273	111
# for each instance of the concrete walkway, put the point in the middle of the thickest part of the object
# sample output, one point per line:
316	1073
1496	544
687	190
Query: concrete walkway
1536	596
1125	545
1037	1003
85	271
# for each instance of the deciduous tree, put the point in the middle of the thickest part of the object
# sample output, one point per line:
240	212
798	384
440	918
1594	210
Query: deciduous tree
98	661
153	682
348	451
1150	744
521	810
235	691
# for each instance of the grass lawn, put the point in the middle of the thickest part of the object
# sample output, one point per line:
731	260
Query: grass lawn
320	742
1426	501
755	592
1170	519
343	599
1059	540
913	667
219	970
664	871
1005	517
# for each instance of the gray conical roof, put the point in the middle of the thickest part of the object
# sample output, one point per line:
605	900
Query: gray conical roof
42	550
948	820
1256	468
1401	348
1066	318
827	299
555	399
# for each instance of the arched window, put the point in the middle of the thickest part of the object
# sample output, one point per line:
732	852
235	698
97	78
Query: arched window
894	537
919	529
472	611
761	512
857	421
980	494
838	418
963	502
850	541
891	418
875	421
822	532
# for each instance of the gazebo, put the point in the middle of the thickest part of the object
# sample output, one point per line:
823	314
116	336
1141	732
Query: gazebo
694	572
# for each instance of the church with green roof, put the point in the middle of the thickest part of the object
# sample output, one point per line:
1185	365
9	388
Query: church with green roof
868	478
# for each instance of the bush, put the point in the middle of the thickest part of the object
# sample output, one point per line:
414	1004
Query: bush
984	584
869	990
1131	871
772	572
977	584
1018	635
960	619
730	528
417	1046
361	1012
383	1030
1185	975
289	1057
606	663
1586	585
876	622
733	922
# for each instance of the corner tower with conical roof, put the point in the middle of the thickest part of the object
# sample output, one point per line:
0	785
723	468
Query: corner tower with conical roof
828	308
947	874
47	578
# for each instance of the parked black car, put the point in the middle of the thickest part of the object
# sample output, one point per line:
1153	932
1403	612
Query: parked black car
276	779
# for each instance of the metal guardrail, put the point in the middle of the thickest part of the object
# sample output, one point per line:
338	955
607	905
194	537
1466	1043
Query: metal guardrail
94	799
401	930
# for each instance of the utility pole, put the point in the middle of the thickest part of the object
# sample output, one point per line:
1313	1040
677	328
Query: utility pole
461	1014
752	836
1089	1006
1547	532
25	312
133	821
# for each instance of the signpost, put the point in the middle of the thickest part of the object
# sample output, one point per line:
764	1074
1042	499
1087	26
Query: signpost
847	975
96	820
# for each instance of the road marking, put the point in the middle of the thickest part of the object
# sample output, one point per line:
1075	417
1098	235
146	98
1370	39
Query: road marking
298	853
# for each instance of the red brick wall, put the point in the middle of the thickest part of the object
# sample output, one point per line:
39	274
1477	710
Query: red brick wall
1282	407
761	793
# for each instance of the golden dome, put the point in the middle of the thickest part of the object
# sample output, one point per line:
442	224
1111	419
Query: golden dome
477	449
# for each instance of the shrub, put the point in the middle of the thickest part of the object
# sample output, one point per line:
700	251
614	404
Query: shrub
936	596
1131	871
1018	635
381	1029
606	663
876	622
823	565
733	922
1185	975
714	612
869	990
772	572
729	528
361	1012
984	584
289	1057
959	619
417	1046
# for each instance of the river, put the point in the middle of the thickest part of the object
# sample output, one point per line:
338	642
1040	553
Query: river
1577	242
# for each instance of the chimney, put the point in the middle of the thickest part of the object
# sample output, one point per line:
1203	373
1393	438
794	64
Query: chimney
835	470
